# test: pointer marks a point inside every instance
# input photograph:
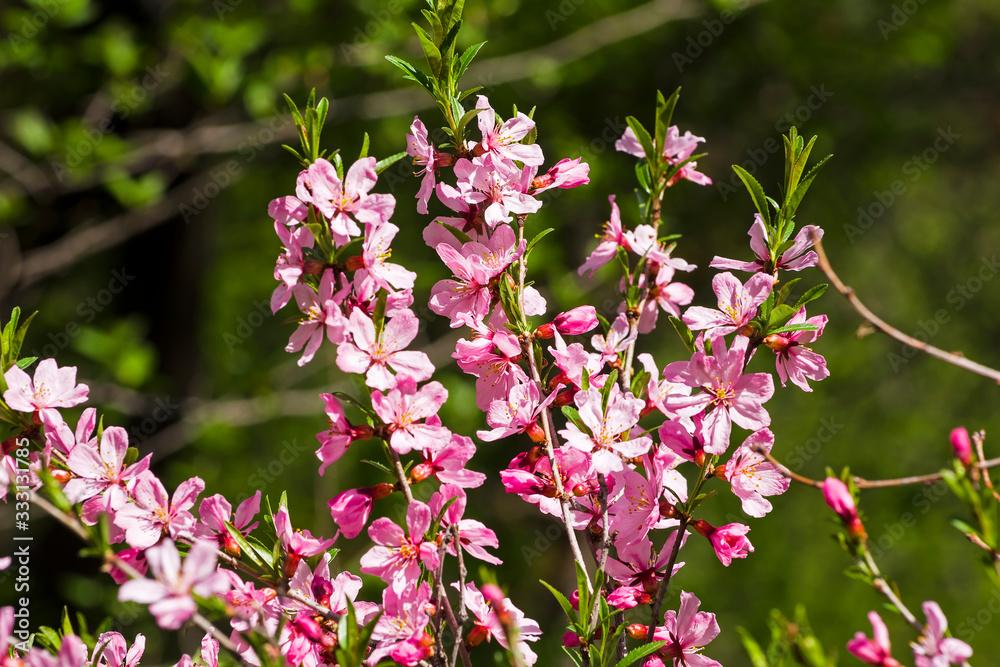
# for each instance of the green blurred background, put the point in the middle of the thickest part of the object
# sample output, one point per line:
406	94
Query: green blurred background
140	145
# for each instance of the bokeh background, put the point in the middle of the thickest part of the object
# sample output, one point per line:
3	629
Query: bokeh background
140	144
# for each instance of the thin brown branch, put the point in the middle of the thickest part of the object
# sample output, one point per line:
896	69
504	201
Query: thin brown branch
889	330
661	593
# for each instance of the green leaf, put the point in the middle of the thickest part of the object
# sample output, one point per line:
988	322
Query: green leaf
456	232
788	328
639	653
811	295
244	546
378	316
573	415
538	237
756	191
664	112
639	383
786	290
645	141
561	599
466	117
27	361
802	188
131	456
606	390
585	380
411	72
431	51
364	147
684	332
750	645
780	315
384	164
465	60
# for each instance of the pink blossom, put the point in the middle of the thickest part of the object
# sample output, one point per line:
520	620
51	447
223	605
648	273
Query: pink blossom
347	201
496	185
638	564
612	238
350	509
169	595
215	512
396	556
636	510
153	513
399	632
657	390
101	475
134	558
492	620
728	394
729	541
291	263
72	653
794	259
297	544
465	298
335	440
564	174
404	406
573	359
838	498
59	435
446	462
737	304
875	651
253	608
515	414
608	440
676	149
933	649
752	476
469	220
485	337
473	536
52	387
663	294
322	317
421	149
687	632
530	476
795	361
376	252
504	141
496	377
618	339
374	354
116	653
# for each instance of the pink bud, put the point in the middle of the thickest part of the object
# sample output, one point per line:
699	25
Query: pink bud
493	595
571	640
838	497
962	445
577	321
728	541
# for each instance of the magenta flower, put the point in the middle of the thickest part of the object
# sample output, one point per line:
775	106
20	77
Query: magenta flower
608	440
729	541
687	632
100	474
496	186
397	555
467	297
134	558
728	395
961	445
794	259
876	651
530	476
933	649
335	440
504	141
446	462
153	513
795	361
612	238
490	621
564	174
753	477
169	594
473	536
517	413
52	387
618	339
322	317
496	377
347	201
59	435
376	251
637	510
298	544
639	565
663	294
676	149
737	304
374	354
350	510
404	406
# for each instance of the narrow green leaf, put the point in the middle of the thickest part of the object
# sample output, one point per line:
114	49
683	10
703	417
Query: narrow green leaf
606	390
750	645
412	73
294	109
27	361
811	295
538	237
466	117
585	380
431	51
364	147
465	60
645	141
639	653
561	599
664	113
244	546
788	328
786	290
456	232
384	164
684	332
639	383
803	187
756	191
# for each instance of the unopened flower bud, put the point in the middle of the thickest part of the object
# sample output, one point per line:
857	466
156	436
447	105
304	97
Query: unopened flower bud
564	398
776	342
361	432
535	432
308	626
313	267
476	635
667	511
571	639
354	263
229	545
577	321
382	490
546	330
61	476
838	498
962	445
421	471
637	631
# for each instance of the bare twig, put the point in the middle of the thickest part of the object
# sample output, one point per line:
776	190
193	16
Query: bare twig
661	593
889	330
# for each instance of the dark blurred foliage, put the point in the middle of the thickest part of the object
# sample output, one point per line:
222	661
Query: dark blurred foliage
143	138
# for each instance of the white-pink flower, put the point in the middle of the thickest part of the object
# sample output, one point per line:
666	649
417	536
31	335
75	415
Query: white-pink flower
52	387
374	256
608	438
322	317
404	407
611	239
794	259
347	201
737	304
169	595
397	555
752	476
101	474
488	617
153	513
933	649
504	141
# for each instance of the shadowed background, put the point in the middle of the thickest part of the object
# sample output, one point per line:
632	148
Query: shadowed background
140	145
